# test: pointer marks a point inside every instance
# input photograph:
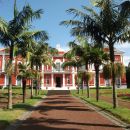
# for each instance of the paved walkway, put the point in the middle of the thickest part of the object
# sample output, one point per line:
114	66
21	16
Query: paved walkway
63	112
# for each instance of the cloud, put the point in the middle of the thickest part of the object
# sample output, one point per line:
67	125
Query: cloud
123	45
126	60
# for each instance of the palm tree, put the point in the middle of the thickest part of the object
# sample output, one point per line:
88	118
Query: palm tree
127	76
98	57
88	76
109	25
79	56
107	72
119	71
11	33
73	57
80	80
42	54
85	57
24	74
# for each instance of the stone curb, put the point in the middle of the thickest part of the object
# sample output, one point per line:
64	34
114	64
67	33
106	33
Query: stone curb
24	116
107	115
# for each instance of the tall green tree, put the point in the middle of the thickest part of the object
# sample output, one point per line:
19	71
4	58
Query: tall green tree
11	32
24	74
128	76
119	71
42	54
98	57
85	57
73	57
109	25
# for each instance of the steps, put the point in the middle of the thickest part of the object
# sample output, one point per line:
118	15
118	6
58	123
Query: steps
58	92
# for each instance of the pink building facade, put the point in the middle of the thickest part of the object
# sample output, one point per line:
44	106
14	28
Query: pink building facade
59	78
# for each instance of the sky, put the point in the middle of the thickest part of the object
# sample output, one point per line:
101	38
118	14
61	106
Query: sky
54	13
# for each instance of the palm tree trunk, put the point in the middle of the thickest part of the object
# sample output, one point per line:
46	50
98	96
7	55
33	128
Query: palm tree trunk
82	85
36	92
77	77
78	89
87	82
24	89
97	82
38	86
114	93
112	58
31	88
10	106
88	93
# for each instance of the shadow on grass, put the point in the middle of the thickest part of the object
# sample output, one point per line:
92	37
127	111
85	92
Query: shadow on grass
37	98
126	98
4	124
26	106
22	106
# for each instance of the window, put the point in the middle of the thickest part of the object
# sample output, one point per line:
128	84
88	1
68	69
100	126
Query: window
68	79
47	80
118	82
107	82
58	66
83	67
18	82
67	68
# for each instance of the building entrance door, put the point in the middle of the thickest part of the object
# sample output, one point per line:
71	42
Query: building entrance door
58	82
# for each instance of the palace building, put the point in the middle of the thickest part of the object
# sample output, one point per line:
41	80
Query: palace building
58	78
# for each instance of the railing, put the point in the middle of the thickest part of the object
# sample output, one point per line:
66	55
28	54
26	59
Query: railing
54	70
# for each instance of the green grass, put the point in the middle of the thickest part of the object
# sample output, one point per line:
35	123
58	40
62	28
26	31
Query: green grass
108	92
126	98
9	116
120	112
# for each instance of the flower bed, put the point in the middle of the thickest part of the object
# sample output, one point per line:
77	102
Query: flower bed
123	95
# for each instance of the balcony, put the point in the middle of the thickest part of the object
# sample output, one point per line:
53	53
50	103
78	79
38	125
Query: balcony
58	71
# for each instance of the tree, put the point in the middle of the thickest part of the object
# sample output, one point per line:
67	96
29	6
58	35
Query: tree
108	26
73	57
128	76
42	54
88	76
85	57
24	74
98	57
11	33
79	80
119	70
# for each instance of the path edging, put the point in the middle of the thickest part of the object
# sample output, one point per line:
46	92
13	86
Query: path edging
106	114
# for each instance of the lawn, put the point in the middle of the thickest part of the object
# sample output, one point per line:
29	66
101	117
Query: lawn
120	112
123	94
8	116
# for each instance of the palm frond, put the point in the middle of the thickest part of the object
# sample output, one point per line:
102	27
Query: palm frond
16	12
125	8
34	34
3	26
69	63
76	13
23	18
92	12
71	23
